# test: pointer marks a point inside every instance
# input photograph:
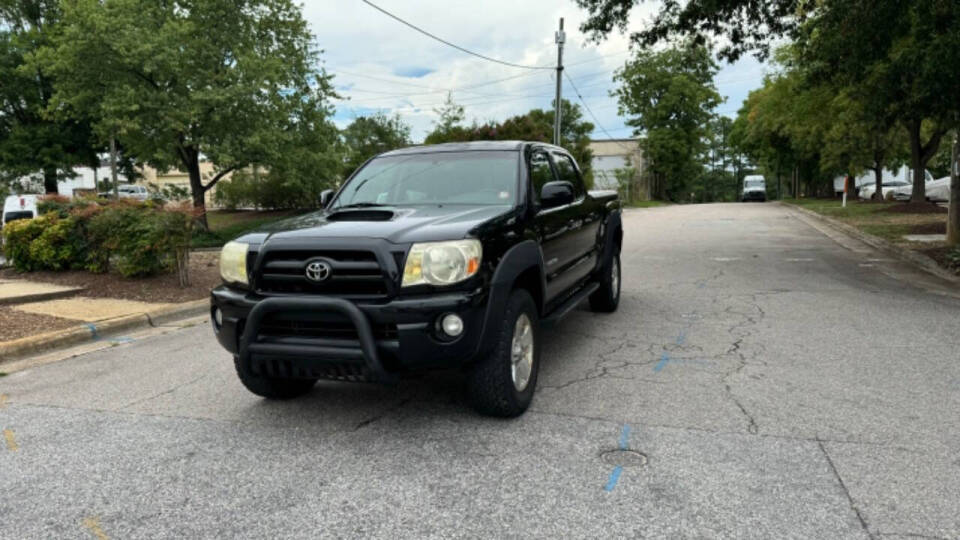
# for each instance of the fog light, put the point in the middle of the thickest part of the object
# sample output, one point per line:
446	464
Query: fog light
218	317
452	325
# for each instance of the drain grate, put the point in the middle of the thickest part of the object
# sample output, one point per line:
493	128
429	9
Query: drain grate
624	458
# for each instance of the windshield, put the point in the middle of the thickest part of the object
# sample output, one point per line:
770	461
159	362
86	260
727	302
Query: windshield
475	178
754	183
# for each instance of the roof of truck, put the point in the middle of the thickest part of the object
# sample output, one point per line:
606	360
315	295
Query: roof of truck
465	146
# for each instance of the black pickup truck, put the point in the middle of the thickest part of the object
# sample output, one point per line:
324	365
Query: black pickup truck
431	257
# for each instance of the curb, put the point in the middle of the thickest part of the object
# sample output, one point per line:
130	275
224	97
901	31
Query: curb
39	297
904	254
16	348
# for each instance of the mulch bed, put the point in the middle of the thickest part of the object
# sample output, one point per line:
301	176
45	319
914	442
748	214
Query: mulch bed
939	254
915	208
204	276
929	228
17	324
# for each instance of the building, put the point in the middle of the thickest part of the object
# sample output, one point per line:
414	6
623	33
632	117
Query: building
79	178
612	155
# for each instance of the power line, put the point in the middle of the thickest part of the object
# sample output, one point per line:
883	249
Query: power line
587	107
445	42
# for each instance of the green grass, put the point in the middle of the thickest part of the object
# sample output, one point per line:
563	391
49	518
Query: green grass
891	233
225	225
834	207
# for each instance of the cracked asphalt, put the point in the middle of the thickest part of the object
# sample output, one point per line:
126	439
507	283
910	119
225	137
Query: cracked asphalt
781	380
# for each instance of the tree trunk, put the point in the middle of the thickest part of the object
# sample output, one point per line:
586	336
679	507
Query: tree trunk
191	161
878	178
50	180
920	154
953	217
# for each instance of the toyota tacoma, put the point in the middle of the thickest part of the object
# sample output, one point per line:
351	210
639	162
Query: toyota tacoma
431	257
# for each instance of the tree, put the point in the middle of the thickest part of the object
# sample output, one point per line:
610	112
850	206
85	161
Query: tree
30	140
669	97
180	81
451	117
535	125
746	25
368	136
899	60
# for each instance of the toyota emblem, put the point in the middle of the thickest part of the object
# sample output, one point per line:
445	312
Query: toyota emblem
318	271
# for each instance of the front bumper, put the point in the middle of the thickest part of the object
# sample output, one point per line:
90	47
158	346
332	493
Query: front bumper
389	339
755	195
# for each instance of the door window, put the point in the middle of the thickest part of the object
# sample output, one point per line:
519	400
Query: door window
567	171
540	172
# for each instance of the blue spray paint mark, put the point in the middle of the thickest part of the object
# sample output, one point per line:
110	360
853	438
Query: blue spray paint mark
625	437
122	339
93	330
662	363
614	477
682	337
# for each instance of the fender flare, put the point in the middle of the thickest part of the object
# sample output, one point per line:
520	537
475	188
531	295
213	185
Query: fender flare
613	226
517	260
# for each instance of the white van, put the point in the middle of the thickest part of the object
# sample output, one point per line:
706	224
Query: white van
754	188
19	207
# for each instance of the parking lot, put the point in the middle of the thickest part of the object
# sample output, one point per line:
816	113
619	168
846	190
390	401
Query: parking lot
764	377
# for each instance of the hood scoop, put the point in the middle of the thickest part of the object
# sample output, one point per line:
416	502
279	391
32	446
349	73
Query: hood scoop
362	215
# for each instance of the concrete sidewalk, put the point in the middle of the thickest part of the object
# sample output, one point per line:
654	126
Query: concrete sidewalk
19	291
87	319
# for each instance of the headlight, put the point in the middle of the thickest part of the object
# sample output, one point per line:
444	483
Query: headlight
233	262
442	263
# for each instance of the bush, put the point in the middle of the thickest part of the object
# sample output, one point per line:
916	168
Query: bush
136	238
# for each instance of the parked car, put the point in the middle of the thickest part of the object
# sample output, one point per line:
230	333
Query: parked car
888	186
754	188
432	257
19	207
128	191
938	190
868	178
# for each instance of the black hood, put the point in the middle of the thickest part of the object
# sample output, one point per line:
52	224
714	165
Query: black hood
396	224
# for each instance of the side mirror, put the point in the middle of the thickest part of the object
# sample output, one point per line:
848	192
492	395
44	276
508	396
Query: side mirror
325	197
555	194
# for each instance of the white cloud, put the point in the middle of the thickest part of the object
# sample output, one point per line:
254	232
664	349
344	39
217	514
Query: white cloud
366	50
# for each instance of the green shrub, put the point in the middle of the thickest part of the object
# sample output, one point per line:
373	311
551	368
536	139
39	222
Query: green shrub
136	238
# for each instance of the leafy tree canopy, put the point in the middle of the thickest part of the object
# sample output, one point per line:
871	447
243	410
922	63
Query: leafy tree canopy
368	136
231	81
669	97
30	140
746	25
535	125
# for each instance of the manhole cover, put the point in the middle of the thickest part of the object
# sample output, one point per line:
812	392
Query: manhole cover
624	458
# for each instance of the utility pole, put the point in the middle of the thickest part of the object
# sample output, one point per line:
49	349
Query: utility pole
113	166
559	37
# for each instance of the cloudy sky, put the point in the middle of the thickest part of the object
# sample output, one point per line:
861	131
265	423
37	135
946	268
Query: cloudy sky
380	64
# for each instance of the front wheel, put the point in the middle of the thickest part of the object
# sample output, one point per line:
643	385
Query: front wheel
502	383
270	387
606	299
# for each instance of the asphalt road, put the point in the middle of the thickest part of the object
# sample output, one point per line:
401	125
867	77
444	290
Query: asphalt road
778	382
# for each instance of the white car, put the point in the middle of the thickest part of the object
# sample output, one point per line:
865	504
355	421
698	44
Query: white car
888	186
939	190
19	207
868	178
128	191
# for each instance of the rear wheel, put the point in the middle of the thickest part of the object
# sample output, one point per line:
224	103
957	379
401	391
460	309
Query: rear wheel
270	387
502	384
607	297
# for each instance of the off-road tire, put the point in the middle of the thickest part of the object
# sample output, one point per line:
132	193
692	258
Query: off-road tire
606	299
272	388
490	386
